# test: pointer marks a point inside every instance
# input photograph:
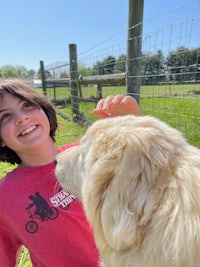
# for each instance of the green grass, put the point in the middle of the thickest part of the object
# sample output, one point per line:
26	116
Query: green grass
146	91
4	168
182	114
171	103
24	260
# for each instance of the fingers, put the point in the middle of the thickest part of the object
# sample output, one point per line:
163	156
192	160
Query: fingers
106	103
132	106
103	107
117	105
100	114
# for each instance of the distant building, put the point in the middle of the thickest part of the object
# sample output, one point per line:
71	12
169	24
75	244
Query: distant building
37	83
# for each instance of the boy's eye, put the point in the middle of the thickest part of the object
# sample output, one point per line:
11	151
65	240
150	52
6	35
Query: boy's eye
28	106
5	117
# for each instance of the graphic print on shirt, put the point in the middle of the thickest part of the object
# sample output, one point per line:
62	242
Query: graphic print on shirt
62	199
39	209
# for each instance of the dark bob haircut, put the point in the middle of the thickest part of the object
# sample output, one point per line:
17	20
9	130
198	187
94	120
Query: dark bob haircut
27	92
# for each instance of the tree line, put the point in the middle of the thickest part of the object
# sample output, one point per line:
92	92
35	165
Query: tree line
9	71
180	65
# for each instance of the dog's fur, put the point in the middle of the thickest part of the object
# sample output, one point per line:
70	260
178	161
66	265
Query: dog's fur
139	181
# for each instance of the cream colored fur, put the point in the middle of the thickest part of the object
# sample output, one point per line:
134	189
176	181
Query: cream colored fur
139	181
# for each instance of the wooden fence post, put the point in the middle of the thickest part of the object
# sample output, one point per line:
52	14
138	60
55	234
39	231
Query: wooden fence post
74	85
134	48
99	91
43	78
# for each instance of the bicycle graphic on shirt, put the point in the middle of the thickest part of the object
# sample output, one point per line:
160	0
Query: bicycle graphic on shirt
42	212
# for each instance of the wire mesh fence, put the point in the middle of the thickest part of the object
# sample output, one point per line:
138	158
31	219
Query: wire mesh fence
169	76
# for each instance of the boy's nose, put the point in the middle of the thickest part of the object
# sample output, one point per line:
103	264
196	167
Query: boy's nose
21	117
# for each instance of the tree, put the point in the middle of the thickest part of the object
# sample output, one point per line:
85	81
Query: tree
177	62
9	71
31	74
194	64
83	70
153	67
108	65
105	66
120	64
97	68
23	72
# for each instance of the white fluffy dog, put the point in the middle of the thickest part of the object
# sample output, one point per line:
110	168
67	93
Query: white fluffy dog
139	181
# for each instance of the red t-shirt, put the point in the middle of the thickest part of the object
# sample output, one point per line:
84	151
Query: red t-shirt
50	222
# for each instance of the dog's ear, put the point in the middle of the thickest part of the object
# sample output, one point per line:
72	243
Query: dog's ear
121	208
125	200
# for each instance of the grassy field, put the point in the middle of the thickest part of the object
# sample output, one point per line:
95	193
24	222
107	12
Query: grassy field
172	104
177	105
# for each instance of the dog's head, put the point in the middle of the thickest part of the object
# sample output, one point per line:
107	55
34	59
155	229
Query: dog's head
120	171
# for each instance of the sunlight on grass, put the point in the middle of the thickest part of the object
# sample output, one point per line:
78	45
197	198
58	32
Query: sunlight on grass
24	260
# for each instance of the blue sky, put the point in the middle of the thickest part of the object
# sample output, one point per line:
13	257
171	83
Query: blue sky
37	30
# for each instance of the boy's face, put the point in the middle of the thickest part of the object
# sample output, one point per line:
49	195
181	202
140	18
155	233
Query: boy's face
22	125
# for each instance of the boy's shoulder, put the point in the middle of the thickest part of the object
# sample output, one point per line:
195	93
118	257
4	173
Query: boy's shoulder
62	148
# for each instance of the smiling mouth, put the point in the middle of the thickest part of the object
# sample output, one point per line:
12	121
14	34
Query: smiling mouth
29	130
